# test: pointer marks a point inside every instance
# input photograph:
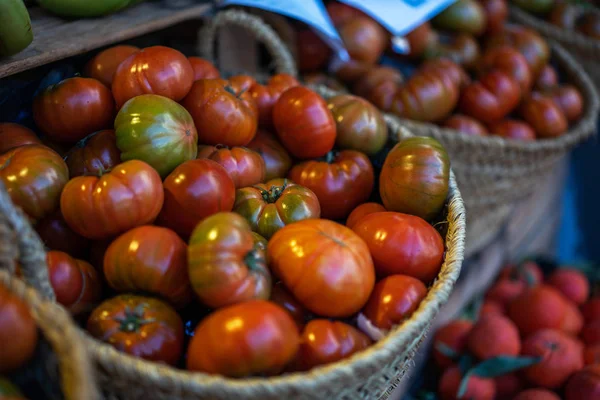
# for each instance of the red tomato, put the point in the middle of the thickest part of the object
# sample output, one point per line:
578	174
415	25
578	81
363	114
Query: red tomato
277	160
144	327
18	332
450	72
282	297
508	60
512	129
568	99
267	95
192	183
496	12
253	337
402	244
312	52
325	342
245	167
73	108
75	282
341	13
153	70
15	135
94	155
418	39
34	177
367	85
467	125
491	98
461	48
393	300
303	123
56	235
364	39
203	69
104	64
317	282
149	259
547	78
221	113
101	207
341	182
361	211
544	116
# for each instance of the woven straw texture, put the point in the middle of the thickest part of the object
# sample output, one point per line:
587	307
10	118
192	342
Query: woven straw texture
19	242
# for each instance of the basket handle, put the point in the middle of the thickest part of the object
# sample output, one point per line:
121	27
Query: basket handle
284	61
20	242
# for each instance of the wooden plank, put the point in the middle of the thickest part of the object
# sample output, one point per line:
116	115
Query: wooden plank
57	38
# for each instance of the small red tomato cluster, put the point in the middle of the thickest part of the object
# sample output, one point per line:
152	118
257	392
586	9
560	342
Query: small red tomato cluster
199	222
534	338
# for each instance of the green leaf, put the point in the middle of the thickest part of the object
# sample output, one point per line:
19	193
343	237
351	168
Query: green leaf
446	350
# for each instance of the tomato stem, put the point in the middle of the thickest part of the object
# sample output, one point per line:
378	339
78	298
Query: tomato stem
274	193
255	259
330	157
133	319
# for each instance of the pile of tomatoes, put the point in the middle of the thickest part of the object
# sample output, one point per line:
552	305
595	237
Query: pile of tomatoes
225	226
532	337
472	72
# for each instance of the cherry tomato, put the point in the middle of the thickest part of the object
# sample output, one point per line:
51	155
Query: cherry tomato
277	160
312	52
325	342
15	135
415	177
267	95
467	125
94	155
466	16
402	244
203	69
245	167
547	78
282	297
341	182
73	108
149	259
144	327
568	99
34	177
303	123
221	114
18	332
75	282
544	115
508	60
192	183
249	338
361	211
56	235
104	64
101	207
225	265
393	300
317	282
513	129
491	98
154	70
496	13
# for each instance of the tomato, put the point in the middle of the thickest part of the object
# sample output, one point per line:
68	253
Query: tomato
496	13
225	265
402	244
508	60
415	177
303	123
393	300
75	282
547	78
322	79
101	207
466	16
418	39
361	211
267	95
535	6
154	70
461	48
277	160
259	241
104	64
341	182
250	338
221	114
568	99
193	183
203	69
73	108
491	98
18	332
306	256
341	13
544	116
325	342
144	327
245	167
513	129
450	72
94	154
56	235
364	39
589	25
564	15
379	85
360	126
242	83
282	297
156	130
311	52
15	135
270	206
34	177
149	259
352	70
464	124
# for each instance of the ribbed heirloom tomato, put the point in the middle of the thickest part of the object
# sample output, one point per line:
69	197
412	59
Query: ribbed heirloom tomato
277	160
508	60
94	155
341	182
267	95
491	98
203	69
245	167
101	207
461	48
325	265
104	64
149	259
15	135
225	265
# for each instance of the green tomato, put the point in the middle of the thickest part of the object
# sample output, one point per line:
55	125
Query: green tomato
85	8
466	16
156	130
535	6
